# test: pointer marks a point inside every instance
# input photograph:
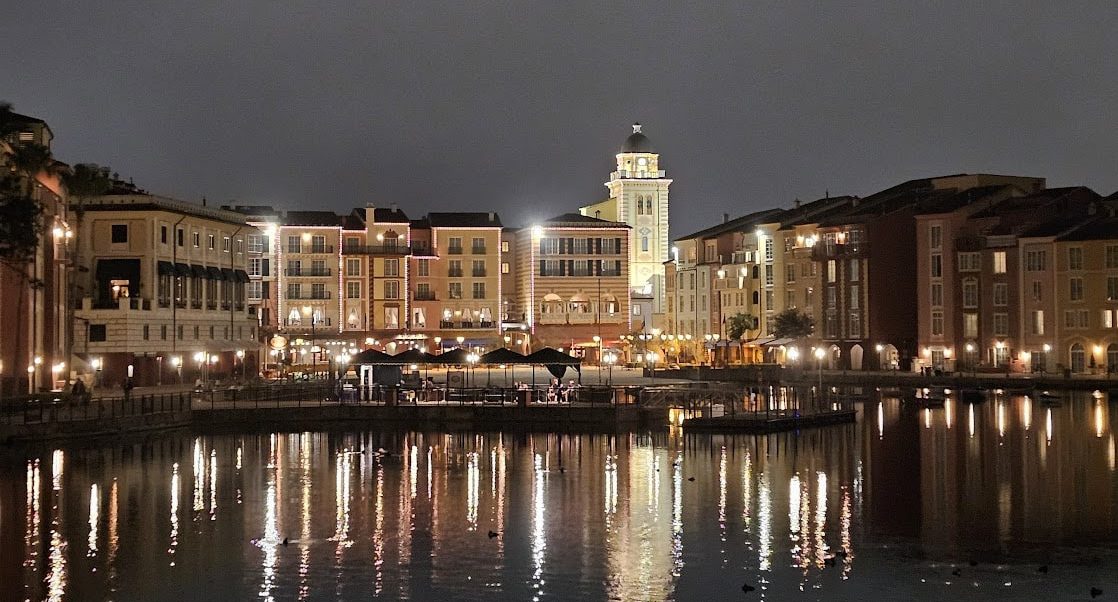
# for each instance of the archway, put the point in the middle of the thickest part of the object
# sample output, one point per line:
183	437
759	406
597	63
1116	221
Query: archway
834	358
856	357
1078	358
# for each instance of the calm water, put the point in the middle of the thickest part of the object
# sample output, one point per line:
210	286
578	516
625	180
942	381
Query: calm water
906	494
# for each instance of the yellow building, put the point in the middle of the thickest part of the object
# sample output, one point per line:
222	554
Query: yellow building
573	281
164	293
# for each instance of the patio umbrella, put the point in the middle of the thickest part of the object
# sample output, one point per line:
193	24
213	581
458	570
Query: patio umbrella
507	357
556	361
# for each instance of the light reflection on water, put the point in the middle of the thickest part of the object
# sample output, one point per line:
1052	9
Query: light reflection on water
874	507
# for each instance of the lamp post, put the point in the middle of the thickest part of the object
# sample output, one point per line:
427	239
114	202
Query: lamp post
880	360
610	360
176	362
819	353
97	364
598	344
439	342
471	359
650	359
241	358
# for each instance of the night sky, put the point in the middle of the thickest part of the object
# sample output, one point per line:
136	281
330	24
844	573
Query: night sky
520	108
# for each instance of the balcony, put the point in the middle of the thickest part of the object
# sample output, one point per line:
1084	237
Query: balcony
195	304
309	296
479	273
301	273
129	303
822	251
478	250
465	324
453	273
428	296
306	324
309	249
376	250
454	250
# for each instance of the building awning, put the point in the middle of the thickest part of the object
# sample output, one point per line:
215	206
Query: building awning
760	341
165	268
198	271
779	342
214	273
181	269
242	276
228	275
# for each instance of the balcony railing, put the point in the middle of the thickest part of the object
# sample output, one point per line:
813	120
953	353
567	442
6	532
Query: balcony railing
428	296
824	251
306	324
376	250
305	249
478	250
465	324
479	273
454	250
304	295
301	273
452	273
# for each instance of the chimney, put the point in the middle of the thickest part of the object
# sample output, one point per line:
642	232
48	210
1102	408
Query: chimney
598	214
203	201
796	203
393	207
492	216
725	217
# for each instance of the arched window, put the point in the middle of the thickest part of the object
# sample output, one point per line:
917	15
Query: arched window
353	319
756	272
644	244
1078	358
756	297
609	305
552	304
648	205
579	304
1112	358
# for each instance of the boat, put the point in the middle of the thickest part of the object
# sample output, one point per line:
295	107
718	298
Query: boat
1047	398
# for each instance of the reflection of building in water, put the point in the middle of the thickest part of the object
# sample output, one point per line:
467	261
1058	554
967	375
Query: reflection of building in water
1015	476
890	452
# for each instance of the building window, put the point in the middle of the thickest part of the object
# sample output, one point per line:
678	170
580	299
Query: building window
1001	293
1075	258
768	276
1112	288
937	265
937	323
423	292
855	270
769	249
504	267
999	262
477	245
163	332
970	292
119	233
1111	257
935	236
479	268
180	237
937	294
318	244
254	266
255	290
790	273
644	244
163	234
1037	290
969	262
391	289
1108	318
98	333
1001	325
255	243
1038	321
831	270
353	267
479	290
454	245
353	290
454	290
1078	358
855	296
1075	289
1036	261
392	267
504	246
423	267
970	325
294	244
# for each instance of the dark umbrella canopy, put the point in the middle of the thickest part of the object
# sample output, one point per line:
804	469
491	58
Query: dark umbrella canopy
371	356
503	356
412	356
552	357
454	357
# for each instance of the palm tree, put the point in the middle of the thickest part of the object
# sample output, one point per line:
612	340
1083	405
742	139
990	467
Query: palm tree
739	324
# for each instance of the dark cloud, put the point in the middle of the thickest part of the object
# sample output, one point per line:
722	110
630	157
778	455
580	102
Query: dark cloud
519	107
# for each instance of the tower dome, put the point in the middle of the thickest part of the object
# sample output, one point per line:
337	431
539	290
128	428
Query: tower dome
637	142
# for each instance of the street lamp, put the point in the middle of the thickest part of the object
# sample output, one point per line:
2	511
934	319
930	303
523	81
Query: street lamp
176	361
819	353
610	360
471	359
650	359
598	344
241	358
